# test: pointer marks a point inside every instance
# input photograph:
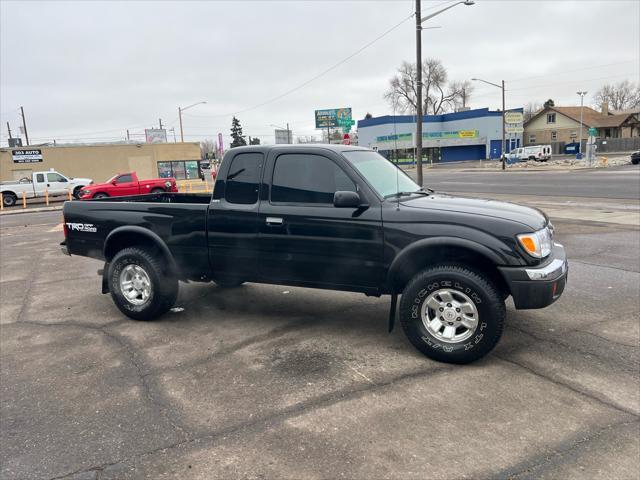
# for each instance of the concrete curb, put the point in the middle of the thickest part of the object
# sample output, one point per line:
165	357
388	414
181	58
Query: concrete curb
32	210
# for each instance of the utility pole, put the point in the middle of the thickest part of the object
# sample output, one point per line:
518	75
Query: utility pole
419	20
9	130
24	124
419	92
181	131
503	128
501	87
128	136
160	121
582	94
288	134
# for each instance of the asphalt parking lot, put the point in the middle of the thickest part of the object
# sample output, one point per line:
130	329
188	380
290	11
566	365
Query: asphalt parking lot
271	382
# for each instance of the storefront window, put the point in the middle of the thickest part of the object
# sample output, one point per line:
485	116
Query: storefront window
180	169
192	170
164	170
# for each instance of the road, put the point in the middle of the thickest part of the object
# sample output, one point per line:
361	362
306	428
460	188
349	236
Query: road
266	381
613	183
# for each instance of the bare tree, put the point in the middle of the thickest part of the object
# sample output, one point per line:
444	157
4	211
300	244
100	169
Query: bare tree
440	96
622	96
530	110
207	148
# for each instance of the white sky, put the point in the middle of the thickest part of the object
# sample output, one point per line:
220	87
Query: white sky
87	71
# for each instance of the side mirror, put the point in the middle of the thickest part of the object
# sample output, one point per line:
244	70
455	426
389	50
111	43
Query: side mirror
346	199
113	182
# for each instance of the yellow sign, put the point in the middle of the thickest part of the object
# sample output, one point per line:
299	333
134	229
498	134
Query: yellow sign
468	133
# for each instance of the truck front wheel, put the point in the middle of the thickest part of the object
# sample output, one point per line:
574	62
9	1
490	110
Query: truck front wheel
139	285
452	314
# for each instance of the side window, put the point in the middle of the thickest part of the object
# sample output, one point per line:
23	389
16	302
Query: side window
126	178
243	179
303	178
40	177
55	177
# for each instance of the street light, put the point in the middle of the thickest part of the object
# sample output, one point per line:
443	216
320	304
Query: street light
419	20
582	94
287	129
180	110
501	87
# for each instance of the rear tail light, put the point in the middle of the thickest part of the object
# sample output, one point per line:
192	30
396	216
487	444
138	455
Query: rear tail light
64	227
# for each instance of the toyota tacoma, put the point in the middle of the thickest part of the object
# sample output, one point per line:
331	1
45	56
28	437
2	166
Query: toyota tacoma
332	217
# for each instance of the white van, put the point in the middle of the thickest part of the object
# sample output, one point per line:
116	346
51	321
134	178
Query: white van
539	153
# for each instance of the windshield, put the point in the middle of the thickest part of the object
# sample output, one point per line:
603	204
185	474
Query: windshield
382	175
112	178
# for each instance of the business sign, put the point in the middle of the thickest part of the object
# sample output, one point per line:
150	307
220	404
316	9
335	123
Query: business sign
26	156
220	145
155	135
514	129
283	136
333	117
452	134
513	117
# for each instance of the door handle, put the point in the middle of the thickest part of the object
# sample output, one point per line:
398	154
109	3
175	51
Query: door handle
274	221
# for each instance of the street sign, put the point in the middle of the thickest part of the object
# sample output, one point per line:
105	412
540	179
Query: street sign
593	131
331	117
513	129
513	117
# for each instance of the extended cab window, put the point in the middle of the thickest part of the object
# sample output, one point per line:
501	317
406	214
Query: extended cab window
302	178
124	179
243	179
40	177
55	177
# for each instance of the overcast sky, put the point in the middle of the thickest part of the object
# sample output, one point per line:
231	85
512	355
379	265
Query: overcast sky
89	70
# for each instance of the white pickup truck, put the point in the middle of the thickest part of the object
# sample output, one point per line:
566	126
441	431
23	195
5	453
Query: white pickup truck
50	181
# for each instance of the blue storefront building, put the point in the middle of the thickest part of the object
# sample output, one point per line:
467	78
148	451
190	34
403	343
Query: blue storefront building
466	135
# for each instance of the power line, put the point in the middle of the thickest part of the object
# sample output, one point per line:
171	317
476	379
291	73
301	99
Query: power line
321	74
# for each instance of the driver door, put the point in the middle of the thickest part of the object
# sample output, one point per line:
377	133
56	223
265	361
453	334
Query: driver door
125	185
303	238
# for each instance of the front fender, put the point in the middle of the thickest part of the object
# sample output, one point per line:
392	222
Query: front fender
426	244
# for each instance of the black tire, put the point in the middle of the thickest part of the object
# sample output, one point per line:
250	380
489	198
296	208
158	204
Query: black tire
9	199
76	192
164	286
635	161
485	296
100	195
228	282
158	190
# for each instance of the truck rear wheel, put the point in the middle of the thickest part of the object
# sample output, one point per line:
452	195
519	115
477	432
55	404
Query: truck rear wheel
452	314
9	199
139	285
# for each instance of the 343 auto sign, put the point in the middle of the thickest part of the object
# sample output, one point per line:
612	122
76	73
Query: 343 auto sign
26	156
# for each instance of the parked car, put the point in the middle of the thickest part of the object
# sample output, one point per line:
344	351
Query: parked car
635	157
539	153
50	181
124	184
333	217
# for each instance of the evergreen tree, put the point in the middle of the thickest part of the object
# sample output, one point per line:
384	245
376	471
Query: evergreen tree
549	103
255	141
237	140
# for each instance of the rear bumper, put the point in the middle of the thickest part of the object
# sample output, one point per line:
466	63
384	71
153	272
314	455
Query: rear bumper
538	287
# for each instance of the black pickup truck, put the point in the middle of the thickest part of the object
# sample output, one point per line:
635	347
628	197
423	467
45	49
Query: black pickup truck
330	217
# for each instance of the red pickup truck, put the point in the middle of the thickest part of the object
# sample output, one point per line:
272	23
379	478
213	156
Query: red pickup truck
124	184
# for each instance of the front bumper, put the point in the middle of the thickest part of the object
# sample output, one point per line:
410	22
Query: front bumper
538	287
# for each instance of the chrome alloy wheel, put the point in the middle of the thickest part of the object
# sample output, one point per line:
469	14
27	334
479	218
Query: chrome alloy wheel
449	315
135	284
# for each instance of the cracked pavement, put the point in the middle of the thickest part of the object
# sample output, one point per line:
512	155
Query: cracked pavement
266	381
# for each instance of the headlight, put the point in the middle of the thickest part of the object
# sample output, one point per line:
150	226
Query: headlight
85	192
537	244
